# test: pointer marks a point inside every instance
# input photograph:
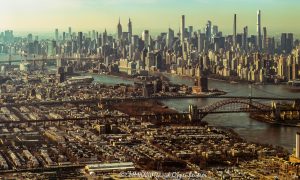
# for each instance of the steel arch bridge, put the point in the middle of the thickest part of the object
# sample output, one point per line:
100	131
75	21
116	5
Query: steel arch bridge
234	106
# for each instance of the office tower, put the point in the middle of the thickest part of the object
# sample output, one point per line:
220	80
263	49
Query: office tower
265	45
51	50
290	42
119	30
283	42
259	39
234	30
70	33
8	36
271	45
182	29
135	40
29	38
215	31
282	67
146	38
79	41
239	39
170	38
64	36
56	34
201	42
287	40
245	38
104	38
129	30
99	40
191	29
208	32
144	55
158	61
93	35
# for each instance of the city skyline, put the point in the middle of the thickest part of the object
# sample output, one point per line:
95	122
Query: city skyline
82	15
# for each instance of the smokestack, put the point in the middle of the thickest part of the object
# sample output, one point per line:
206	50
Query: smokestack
298	145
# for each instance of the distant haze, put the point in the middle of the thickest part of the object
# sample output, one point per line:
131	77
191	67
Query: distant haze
155	15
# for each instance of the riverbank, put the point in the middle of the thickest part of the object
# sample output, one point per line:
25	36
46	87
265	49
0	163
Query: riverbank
148	107
263	118
230	80
248	128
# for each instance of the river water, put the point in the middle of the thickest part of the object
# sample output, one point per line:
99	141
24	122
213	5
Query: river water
251	130
248	128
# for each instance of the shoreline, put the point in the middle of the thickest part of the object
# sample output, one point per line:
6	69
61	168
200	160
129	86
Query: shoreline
220	80
228	80
265	120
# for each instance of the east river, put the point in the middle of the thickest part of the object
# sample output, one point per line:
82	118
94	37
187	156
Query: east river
251	130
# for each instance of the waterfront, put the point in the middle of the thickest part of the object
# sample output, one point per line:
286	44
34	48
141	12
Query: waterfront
251	130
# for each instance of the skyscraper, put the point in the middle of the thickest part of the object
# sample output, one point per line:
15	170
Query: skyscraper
170	38
215	31
104	38
182	29
69	34
56	34
234	30
265	45
29	38
129	30
79	41
119	29
290	42
259	39
191	29
208	32
287	40
146	38
64	36
201	42
93	35
245	38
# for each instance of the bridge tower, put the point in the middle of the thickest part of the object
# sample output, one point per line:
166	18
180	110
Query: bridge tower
193	110
276	111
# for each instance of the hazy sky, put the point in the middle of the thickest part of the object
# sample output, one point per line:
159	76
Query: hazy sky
155	15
